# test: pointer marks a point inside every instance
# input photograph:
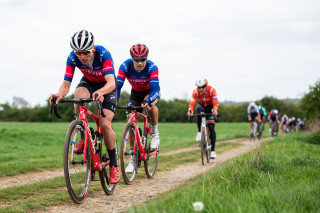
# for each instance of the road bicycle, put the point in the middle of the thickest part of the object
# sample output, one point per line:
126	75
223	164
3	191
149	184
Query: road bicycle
205	142
256	131
135	146
274	129
80	168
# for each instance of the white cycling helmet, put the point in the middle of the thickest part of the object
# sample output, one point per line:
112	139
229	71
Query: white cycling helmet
252	104
201	83
82	41
276	111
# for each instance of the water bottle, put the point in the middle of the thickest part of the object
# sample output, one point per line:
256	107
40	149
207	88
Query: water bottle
143	141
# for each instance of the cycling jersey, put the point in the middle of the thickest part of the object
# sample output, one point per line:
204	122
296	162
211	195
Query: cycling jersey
284	119
101	66
142	81
263	111
273	115
253	110
209	98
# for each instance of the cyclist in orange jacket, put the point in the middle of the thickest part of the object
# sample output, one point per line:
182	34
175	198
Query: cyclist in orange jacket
208	103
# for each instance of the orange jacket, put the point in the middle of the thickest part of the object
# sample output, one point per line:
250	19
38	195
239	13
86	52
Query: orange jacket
209	98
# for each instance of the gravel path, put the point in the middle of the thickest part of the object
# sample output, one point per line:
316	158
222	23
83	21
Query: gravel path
144	189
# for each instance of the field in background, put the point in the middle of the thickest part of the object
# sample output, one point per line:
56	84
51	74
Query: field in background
26	147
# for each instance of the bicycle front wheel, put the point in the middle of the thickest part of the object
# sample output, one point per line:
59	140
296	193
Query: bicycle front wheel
150	165
127	160
76	172
107	187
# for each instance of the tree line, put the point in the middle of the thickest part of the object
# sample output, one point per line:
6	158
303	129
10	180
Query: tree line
169	110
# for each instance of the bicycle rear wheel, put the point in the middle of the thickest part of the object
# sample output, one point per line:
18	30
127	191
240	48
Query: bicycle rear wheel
126	154
76	172
203	145
107	187
150	165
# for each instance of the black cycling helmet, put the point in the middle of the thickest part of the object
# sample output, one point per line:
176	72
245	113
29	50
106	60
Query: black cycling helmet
82	41
139	50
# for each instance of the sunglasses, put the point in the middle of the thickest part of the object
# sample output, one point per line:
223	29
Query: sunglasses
139	59
84	53
202	87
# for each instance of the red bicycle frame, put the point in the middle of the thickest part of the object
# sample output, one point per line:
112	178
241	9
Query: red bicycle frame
96	163
137	138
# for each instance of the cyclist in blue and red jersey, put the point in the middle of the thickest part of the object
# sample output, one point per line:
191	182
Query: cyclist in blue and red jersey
208	103
96	64
142	74
274	120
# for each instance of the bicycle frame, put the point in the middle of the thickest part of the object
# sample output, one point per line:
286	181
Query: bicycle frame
137	139
204	125
96	163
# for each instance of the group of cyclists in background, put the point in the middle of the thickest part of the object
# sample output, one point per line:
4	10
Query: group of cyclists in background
258	114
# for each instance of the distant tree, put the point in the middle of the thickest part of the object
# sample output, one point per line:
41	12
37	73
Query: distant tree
19	102
310	103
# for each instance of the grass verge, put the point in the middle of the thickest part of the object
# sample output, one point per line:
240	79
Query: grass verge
281	176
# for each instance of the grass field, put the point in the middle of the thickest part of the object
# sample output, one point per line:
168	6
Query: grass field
26	147
282	176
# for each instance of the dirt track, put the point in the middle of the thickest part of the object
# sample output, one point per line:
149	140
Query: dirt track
144	189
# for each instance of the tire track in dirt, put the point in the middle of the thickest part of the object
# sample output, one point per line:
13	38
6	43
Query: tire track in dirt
144	189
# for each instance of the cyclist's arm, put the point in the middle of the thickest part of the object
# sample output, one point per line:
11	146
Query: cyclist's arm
63	91
215	101
120	81
109	86
193	101
154	85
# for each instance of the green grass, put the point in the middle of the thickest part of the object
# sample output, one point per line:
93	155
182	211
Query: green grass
26	147
282	176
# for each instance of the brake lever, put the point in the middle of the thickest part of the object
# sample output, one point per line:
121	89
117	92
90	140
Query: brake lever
99	107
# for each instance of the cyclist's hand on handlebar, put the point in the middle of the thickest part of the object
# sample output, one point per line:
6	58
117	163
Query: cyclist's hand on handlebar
57	96
214	112
190	113
100	97
146	103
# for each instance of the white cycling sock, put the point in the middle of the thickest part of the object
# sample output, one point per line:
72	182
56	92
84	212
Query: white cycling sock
154	128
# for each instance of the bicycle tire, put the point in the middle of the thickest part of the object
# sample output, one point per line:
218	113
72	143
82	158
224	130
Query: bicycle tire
151	164
107	188
208	151
77	175
125	156
203	145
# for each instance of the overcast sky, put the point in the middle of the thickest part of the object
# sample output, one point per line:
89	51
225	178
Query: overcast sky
246	49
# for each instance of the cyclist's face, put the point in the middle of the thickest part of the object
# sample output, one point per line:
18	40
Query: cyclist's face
202	90
86	59
139	63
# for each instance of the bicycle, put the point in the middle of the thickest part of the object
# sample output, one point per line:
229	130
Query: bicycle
256	131
134	145
274	129
205	142
79	168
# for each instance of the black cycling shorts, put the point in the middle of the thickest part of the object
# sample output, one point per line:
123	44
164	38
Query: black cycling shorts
253	115
206	109
136	98
110	99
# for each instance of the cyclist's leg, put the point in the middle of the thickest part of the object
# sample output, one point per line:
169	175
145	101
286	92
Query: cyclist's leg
198	109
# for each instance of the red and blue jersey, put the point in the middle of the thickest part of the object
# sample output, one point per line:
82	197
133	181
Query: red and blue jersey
101	66
142	81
